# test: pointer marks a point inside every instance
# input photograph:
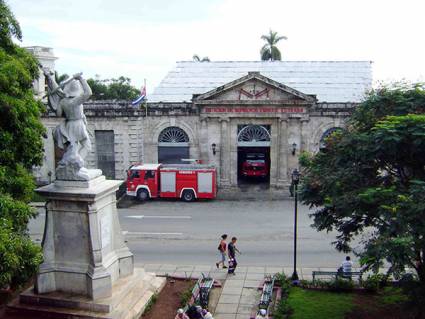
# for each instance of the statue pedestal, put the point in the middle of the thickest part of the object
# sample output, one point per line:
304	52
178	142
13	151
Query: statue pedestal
87	266
84	250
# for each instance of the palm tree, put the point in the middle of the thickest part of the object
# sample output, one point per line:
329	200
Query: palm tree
269	51
196	58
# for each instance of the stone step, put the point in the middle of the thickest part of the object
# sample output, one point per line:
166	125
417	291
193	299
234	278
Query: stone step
129	299
136	305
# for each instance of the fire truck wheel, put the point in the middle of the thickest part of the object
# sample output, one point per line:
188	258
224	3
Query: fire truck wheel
142	195
188	196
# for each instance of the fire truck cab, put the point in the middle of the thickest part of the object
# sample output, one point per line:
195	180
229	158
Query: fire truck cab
255	165
185	181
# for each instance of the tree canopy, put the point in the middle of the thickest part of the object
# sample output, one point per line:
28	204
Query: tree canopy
21	147
368	183
270	51
113	89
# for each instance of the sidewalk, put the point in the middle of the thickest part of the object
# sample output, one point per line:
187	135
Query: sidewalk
240	294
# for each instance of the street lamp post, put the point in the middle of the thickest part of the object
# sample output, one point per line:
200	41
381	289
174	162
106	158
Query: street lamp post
295	180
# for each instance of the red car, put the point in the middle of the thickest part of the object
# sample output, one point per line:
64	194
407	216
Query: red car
255	165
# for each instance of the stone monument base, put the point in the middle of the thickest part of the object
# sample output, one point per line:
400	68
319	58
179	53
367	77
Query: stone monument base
130	295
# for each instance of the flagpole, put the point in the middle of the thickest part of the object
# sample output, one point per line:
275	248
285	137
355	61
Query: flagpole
146	101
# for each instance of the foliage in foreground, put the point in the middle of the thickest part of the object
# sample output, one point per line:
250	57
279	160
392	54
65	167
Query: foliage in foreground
370	180
21	147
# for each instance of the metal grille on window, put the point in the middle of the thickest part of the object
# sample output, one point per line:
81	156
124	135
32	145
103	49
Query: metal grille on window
254	135
173	135
105	151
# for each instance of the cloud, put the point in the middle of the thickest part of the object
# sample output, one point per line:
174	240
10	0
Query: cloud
144	39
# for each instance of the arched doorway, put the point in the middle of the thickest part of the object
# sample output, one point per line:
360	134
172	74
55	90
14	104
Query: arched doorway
253	154
173	145
326	134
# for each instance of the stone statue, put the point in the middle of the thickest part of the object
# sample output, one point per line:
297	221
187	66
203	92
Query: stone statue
67	99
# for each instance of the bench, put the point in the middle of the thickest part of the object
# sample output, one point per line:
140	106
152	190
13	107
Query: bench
266	295
338	274
201	292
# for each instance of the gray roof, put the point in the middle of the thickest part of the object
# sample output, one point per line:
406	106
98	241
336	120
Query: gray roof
330	81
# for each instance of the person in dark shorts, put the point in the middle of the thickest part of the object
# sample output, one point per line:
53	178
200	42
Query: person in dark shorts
193	312
222	248
231	251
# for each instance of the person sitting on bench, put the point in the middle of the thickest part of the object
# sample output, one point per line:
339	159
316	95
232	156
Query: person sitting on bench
181	315
346	266
262	314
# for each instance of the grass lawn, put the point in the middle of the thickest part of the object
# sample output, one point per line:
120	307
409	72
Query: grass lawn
309	304
392	296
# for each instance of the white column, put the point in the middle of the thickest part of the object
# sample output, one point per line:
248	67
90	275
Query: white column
304	134
224	152
274	153
283	152
203	141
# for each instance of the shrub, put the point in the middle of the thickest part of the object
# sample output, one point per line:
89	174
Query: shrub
412	287
375	282
341	284
284	282
185	297
305	283
283	310
19	257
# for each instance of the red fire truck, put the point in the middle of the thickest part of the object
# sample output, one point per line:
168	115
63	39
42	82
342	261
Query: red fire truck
185	181
255	165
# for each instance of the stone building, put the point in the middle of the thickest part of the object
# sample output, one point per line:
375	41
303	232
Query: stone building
218	112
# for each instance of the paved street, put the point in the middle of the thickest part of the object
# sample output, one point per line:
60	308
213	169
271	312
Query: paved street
173	232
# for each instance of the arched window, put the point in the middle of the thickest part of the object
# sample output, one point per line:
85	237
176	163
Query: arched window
328	133
254	135
173	145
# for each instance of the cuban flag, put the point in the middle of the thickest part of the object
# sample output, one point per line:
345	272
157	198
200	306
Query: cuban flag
142	96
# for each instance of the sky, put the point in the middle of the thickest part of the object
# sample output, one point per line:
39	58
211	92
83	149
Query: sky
142	39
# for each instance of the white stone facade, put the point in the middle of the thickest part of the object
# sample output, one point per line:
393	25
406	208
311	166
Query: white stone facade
214	117
136	135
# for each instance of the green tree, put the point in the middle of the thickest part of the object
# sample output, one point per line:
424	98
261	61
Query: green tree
197	58
270	51
369	181
99	89
21	147
113	89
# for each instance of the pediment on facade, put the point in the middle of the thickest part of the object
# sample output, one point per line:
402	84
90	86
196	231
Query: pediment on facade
254	87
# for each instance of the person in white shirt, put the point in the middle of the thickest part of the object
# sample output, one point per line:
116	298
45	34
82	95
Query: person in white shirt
347	265
262	314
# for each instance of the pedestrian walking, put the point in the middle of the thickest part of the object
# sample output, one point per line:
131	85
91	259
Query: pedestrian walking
231	251
222	248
